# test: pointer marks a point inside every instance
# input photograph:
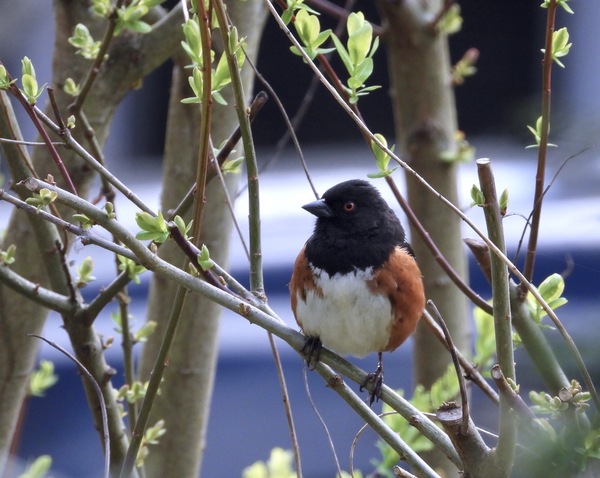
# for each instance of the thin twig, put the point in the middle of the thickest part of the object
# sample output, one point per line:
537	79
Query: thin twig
94	70
204	20
543	145
85	236
320	418
32	112
215	166
377	424
94	163
286	404
256	278
153	384
459	376
547	188
266	320
100	397
471	371
29	143
291	125
455	210
435	250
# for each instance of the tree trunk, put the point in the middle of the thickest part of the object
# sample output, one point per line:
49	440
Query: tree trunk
425	123
184	401
38	258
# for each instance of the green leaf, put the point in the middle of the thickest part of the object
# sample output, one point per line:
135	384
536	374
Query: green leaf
192	44
361	74
451	21
503	202
102	8
39	468
232	165
84	221
307	26
30	88
360	37
552	287
132	269
485	343
221	76
43	198
84	42
7	257
477	196
71	88
27	67
109	208
560	45
342	52
85	272
5	81
279	465
182	226
145	331
204	258
42	379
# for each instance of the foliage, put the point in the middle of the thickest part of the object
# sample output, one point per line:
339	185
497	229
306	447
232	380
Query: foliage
39	468
564	423
309	31
42	379
279	465
358	55
382	159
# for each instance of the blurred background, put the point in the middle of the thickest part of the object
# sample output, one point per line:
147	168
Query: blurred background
494	107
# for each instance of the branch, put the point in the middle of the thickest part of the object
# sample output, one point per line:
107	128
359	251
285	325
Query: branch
204	19
92	380
471	371
259	101
502	317
256	279
94	163
476	456
31	111
34	292
543	146
270	322
454	353
85	237
455	210
335	382
534	340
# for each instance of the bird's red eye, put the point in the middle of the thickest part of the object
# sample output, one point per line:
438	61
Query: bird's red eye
349	206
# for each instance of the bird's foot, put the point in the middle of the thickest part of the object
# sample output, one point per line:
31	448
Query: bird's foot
374	379
311	351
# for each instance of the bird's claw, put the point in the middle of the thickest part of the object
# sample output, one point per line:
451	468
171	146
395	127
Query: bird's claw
311	351
375	379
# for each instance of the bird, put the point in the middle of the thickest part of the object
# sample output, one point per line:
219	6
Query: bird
356	287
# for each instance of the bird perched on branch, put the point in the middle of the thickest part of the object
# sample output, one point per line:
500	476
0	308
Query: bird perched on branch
356	287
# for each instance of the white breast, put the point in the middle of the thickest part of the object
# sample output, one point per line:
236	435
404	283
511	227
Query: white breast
349	319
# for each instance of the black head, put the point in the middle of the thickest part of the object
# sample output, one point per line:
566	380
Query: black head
355	228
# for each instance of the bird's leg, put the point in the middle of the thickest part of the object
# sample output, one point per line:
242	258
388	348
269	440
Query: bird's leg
376	379
311	350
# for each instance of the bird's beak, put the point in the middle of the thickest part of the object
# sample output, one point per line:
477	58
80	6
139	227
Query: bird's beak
318	208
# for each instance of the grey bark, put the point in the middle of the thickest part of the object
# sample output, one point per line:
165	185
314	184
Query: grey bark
132	56
425	124
184	402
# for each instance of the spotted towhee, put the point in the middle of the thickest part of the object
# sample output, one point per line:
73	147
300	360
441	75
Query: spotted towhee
356	287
